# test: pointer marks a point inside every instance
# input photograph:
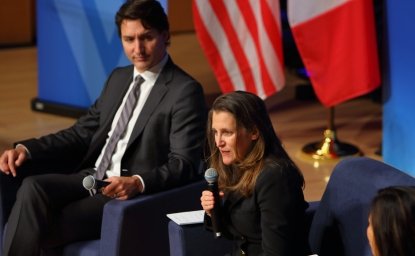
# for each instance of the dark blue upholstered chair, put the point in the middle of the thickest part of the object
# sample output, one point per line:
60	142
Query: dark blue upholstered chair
193	239
337	223
340	222
133	227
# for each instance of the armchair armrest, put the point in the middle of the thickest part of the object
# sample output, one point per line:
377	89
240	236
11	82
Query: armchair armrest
139	225
188	240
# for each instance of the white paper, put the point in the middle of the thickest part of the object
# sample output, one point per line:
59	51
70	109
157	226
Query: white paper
186	218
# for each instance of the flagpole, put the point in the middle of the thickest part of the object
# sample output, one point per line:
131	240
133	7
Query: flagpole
330	147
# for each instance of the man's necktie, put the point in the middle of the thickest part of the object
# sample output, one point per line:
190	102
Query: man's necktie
119	128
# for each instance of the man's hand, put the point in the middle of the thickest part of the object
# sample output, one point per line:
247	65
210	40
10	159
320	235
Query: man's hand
11	159
123	188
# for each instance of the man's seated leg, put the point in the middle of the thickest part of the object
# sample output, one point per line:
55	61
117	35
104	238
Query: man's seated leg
39	202
78	221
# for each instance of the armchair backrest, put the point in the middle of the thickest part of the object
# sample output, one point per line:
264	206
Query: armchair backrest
340	222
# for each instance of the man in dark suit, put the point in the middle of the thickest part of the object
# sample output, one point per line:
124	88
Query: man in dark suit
160	144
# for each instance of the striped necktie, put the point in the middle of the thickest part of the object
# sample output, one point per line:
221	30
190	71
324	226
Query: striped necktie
120	127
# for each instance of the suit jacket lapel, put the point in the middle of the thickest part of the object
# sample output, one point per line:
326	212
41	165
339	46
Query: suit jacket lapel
101	136
117	100
231	200
153	100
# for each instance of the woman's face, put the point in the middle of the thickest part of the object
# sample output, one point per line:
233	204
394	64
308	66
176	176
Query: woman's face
371	238
232	142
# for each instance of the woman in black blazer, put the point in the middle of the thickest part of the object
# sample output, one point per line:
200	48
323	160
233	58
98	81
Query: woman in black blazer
261	188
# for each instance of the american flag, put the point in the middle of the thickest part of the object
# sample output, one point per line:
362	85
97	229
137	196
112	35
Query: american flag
242	42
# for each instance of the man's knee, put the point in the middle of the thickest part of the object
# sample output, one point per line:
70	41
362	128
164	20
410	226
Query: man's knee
30	189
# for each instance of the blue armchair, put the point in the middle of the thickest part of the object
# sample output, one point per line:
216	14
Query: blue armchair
132	227
340	222
336	224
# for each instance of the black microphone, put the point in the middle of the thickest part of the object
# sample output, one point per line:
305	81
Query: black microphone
89	183
211	176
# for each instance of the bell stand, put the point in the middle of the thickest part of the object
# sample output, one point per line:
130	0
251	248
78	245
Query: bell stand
330	148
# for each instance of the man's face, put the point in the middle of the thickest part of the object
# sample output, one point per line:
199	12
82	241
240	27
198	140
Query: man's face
143	47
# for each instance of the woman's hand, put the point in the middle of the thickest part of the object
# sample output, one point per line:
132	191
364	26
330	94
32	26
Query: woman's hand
207	200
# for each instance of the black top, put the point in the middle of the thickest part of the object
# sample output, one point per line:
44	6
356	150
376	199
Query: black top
272	220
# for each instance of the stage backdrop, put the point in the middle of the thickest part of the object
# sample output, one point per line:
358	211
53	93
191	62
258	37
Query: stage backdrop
399	90
78	46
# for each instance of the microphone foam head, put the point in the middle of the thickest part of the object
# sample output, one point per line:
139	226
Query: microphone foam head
88	182
211	175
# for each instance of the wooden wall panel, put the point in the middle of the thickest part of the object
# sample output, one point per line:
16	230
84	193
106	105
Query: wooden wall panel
17	22
180	16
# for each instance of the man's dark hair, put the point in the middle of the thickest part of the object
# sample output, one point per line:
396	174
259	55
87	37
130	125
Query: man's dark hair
149	12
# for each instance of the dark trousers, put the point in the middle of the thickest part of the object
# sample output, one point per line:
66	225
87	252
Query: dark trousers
52	210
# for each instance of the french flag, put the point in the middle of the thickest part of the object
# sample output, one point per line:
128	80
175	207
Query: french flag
337	43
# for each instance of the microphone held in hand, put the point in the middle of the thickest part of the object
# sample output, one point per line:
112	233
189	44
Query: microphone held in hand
211	176
89	183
